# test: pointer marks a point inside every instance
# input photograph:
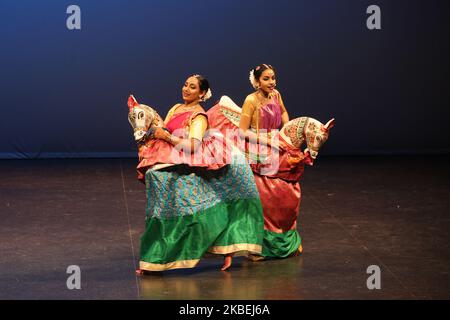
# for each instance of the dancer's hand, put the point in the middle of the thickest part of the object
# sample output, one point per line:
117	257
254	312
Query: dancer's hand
160	133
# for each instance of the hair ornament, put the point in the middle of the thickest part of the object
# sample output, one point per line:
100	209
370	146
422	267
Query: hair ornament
207	95
253	80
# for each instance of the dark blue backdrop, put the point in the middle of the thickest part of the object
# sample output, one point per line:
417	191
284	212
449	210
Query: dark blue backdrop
63	93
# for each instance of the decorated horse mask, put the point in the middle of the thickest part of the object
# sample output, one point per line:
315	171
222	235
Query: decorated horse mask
142	117
309	130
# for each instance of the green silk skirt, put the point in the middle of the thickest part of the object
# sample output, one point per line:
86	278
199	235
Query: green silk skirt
191	211
280	245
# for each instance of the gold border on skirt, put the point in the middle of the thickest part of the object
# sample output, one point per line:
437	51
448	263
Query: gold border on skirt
254	248
167	266
251	248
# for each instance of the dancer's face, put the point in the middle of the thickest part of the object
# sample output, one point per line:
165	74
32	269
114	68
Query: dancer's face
267	81
191	90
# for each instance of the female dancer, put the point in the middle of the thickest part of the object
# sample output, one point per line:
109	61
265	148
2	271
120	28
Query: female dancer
263	113
264	109
195	206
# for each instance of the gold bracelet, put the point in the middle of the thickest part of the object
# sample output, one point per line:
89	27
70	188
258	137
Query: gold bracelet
170	139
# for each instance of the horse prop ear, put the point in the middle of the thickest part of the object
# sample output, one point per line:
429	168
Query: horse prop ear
132	102
329	124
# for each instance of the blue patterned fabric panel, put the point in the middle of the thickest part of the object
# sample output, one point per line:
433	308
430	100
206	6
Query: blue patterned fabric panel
183	190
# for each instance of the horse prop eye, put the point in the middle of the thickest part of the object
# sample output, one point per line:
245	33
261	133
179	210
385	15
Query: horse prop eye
140	115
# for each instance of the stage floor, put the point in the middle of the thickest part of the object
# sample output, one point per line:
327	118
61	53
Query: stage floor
393	212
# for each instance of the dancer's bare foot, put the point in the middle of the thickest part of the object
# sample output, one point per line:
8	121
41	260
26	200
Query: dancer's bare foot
300	249
227	262
139	272
255	258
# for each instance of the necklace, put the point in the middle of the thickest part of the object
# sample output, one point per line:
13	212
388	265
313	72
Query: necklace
184	107
263	98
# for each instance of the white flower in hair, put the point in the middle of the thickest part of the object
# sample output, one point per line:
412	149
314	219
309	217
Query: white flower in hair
253	80
207	95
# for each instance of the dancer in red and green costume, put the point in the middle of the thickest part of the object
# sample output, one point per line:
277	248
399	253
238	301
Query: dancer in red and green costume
264	112
195	205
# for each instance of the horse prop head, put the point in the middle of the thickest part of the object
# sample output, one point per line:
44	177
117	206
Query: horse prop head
142	117
307	130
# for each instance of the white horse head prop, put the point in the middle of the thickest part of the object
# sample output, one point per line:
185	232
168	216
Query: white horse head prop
307	130
142	117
